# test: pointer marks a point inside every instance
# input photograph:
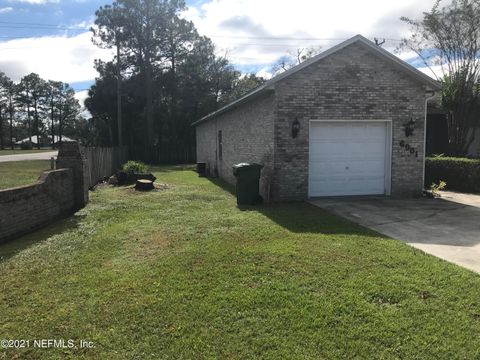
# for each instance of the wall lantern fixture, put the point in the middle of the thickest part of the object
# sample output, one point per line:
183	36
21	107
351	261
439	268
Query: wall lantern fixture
409	127
295	128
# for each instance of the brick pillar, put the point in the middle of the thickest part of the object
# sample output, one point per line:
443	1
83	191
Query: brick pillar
71	156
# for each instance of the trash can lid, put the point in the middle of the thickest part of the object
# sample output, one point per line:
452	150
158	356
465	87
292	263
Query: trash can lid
241	165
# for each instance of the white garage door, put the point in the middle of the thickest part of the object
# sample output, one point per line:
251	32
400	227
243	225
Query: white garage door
348	158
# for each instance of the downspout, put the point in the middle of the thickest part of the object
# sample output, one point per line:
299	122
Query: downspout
425	131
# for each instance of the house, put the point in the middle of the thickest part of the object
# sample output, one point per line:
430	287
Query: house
44	140
350	121
56	139
27	140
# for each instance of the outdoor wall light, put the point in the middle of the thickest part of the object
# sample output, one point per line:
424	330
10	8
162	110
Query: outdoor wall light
409	127
295	128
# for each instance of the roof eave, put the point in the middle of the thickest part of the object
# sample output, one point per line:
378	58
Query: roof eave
430	83
420	76
257	92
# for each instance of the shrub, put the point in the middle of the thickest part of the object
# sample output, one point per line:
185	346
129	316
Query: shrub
461	174
27	145
135	167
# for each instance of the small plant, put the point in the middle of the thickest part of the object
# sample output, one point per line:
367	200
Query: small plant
436	188
135	167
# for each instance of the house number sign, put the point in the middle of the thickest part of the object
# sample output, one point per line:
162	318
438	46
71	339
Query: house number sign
408	148
409	131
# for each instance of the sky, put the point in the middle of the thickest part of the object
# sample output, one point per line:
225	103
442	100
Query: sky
51	37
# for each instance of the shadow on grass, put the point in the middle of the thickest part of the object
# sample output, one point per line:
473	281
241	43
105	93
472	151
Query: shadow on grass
171	168
12	247
301	217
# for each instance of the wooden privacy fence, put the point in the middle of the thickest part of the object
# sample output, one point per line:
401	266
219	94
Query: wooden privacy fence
103	162
165	154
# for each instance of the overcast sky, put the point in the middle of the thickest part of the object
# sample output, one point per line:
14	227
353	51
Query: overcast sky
51	37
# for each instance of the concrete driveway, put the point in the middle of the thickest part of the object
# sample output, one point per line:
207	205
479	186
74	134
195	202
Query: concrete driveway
448	228
31	156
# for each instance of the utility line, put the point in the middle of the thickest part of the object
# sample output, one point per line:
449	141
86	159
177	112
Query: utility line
43	26
235	46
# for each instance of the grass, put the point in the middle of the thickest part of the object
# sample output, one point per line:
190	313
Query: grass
182	273
18	173
19	151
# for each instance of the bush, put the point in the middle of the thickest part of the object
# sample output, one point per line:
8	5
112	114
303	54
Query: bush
460	174
135	167
27	145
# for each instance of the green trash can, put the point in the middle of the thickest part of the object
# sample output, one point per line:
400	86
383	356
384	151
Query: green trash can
248	179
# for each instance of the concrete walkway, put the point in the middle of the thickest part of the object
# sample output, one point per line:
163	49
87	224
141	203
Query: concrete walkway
448	228
30	156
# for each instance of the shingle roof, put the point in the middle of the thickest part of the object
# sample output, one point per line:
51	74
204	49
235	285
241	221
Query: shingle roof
402	65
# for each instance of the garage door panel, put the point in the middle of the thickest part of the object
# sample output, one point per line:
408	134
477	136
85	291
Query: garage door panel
347	131
353	143
347	158
344	168
342	186
354	149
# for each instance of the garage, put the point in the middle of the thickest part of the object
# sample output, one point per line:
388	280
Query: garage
349	158
349	121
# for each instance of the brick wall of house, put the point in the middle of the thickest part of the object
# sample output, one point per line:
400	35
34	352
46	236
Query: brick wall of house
351	84
247	136
26	208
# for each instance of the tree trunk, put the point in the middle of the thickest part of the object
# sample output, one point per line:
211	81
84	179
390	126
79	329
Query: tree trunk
119	96
35	103
60	123
149	136
11	121
28	119
53	130
173	104
2	145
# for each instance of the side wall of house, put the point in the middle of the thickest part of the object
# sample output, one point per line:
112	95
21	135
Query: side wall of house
206	145
352	84
247	136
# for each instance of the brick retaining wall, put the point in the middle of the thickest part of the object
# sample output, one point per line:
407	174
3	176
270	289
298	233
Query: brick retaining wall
57	194
26	208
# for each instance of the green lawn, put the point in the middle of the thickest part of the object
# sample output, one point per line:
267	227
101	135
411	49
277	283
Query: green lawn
18	173
19	151
182	273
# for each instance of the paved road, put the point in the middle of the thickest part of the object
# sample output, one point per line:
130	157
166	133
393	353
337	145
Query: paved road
448	228
34	156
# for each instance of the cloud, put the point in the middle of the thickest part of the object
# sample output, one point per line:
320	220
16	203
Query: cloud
5	10
13	67
81	96
60	58
243	24
35	2
254	34
260	32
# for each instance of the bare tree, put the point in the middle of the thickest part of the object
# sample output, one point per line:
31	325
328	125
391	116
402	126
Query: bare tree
295	58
